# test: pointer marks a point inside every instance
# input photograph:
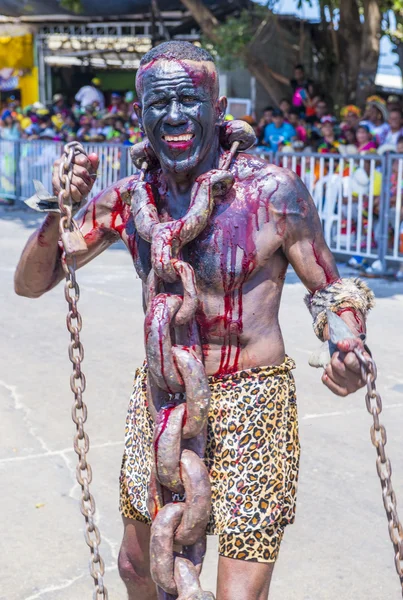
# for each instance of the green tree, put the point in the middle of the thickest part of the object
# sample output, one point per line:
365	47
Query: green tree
72	5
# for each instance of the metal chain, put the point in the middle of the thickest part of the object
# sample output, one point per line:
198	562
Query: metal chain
77	380
177	369
383	465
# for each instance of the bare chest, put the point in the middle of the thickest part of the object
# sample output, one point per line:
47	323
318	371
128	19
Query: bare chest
238	240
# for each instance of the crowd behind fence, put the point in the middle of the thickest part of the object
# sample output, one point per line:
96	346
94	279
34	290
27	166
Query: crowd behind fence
359	198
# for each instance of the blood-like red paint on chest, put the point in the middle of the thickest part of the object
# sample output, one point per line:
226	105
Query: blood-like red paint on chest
234	241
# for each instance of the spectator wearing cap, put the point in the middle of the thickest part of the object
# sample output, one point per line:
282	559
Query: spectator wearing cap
329	142
9	127
393	102
365	140
376	117
395	123
59	106
91	95
278	133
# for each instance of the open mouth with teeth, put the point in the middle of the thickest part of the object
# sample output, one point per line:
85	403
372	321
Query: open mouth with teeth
179	142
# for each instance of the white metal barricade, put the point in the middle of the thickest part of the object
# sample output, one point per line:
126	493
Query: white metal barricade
348	194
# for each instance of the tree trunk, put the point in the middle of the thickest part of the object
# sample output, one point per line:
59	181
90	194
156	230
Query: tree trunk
349	38
203	17
370	48
266	77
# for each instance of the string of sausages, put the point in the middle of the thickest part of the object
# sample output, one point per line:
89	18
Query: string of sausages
179	500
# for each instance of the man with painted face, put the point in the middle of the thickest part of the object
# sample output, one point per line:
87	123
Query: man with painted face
263	222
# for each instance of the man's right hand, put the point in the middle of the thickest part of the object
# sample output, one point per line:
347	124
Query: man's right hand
84	176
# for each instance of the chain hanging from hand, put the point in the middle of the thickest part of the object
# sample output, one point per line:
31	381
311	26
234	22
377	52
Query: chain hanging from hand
383	465
338	331
74	245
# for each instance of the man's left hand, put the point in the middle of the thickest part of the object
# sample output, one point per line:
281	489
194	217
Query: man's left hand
343	374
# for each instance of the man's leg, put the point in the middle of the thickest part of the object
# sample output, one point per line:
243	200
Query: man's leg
134	561
241	580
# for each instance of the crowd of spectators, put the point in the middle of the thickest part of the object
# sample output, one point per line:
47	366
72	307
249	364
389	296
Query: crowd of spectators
305	122
90	118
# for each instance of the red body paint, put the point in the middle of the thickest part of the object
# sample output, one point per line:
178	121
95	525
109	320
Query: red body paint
42	242
233	239
163	416
357	319
119	209
330	276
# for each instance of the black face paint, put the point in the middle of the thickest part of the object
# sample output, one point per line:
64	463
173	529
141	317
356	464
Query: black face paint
180	113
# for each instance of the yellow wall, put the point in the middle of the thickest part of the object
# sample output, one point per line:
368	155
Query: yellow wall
17	52
29	87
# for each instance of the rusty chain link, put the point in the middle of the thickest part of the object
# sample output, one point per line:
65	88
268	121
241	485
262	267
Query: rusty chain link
373	402
74	244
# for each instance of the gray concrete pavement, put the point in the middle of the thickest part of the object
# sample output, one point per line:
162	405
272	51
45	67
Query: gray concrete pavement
337	549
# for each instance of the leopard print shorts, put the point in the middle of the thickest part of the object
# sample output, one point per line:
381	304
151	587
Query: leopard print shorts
252	456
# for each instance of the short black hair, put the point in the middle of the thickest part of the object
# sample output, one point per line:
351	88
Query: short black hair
295	111
177	50
301	67
278	113
270	108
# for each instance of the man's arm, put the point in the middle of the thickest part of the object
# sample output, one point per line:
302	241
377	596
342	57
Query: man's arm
306	249
39	268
